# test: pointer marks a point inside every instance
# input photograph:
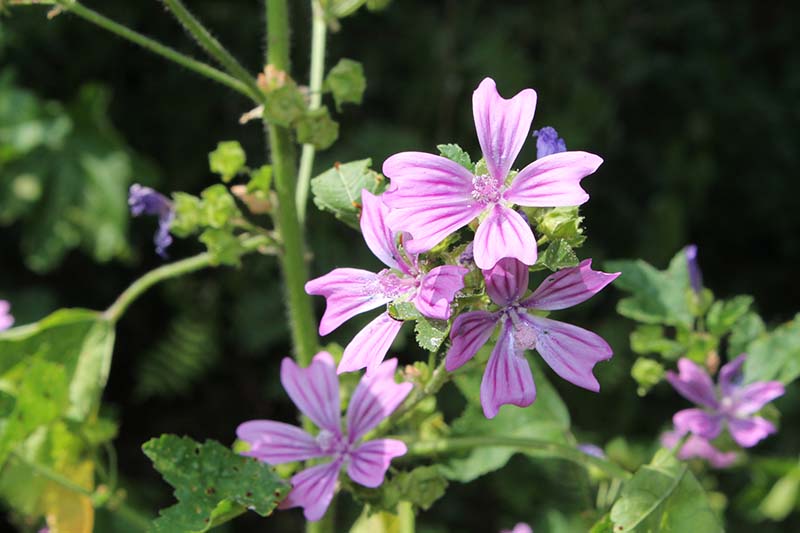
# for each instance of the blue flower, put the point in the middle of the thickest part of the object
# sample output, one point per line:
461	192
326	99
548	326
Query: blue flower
548	142
146	201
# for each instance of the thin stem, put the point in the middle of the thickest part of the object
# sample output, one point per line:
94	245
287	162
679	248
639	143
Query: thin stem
293	264
405	510
52	475
459	444
172	270
318	33
438	379
154	46
211	45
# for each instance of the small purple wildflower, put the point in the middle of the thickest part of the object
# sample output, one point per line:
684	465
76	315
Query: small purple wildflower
146	201
521	527
6	318
695	276
315	391
731	402
570	351
698	447
351	291
548	142
431	196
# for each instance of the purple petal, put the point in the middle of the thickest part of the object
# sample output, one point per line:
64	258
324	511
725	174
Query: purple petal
553	181
502	125
146	201
369	347
314	390
6	319
377	234
569	287
503	233
348	292
570	351
730	376
753	397
693	383
548	142
437	290
695	276
747	432
698	422
431	224
376	397
698	447
507	281
521	527
312	489
371	460
469	333
276	443
508	378
421	178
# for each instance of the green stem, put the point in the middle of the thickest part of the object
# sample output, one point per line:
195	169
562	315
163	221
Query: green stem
459	444
211	45
318	33
154	46
405	511
295	272
438	379
172	270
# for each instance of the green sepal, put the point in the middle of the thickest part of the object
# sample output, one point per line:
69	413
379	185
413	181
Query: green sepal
227	160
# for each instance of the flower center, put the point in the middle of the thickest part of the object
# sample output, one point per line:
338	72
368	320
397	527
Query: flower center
392	285
485	189
524	335
332	444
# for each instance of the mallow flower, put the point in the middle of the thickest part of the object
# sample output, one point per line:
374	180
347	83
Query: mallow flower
6	319
570	351
731	403
698	447
351	291
431	196
315	391
146	201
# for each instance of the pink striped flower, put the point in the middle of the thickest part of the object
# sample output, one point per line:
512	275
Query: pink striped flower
570	351
431	196
315	391
6	319
730	403
698	448
351	291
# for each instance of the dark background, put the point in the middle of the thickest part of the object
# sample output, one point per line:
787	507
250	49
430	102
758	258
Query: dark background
692	104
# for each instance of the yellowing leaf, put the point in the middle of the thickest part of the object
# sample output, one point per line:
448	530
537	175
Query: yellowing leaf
67	511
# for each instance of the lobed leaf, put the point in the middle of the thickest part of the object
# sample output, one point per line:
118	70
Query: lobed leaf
776	355
338	190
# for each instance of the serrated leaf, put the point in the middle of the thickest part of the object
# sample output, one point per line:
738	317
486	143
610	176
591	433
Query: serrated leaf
431	333
664	496
227	159
218	207
658	296
455	153
317	128
338	190
547	419
746	330
558	223
559	254
285	105
346	82
204	476
776	355
724	313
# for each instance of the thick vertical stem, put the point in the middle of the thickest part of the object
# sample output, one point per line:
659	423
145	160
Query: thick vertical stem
295	271
316	75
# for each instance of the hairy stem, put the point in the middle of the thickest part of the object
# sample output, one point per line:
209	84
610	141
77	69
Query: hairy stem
157	48
318	33
211	45
172	270
460	444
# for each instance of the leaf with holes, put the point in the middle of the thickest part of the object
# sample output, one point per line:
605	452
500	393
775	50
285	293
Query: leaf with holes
209	479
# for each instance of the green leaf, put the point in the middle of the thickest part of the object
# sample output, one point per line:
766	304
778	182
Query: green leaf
650	338
188	214
724	313
207	475
338	189
658	296
260	180
225	248
317	128
746	330
558	255
558	223
421	486
664	496
80	340
227	160
218	207
782	497
346	82
378	5
285	105
547	419
431	333
776	355
455	153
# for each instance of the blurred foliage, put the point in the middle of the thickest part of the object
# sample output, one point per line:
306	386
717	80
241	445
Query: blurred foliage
692	106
